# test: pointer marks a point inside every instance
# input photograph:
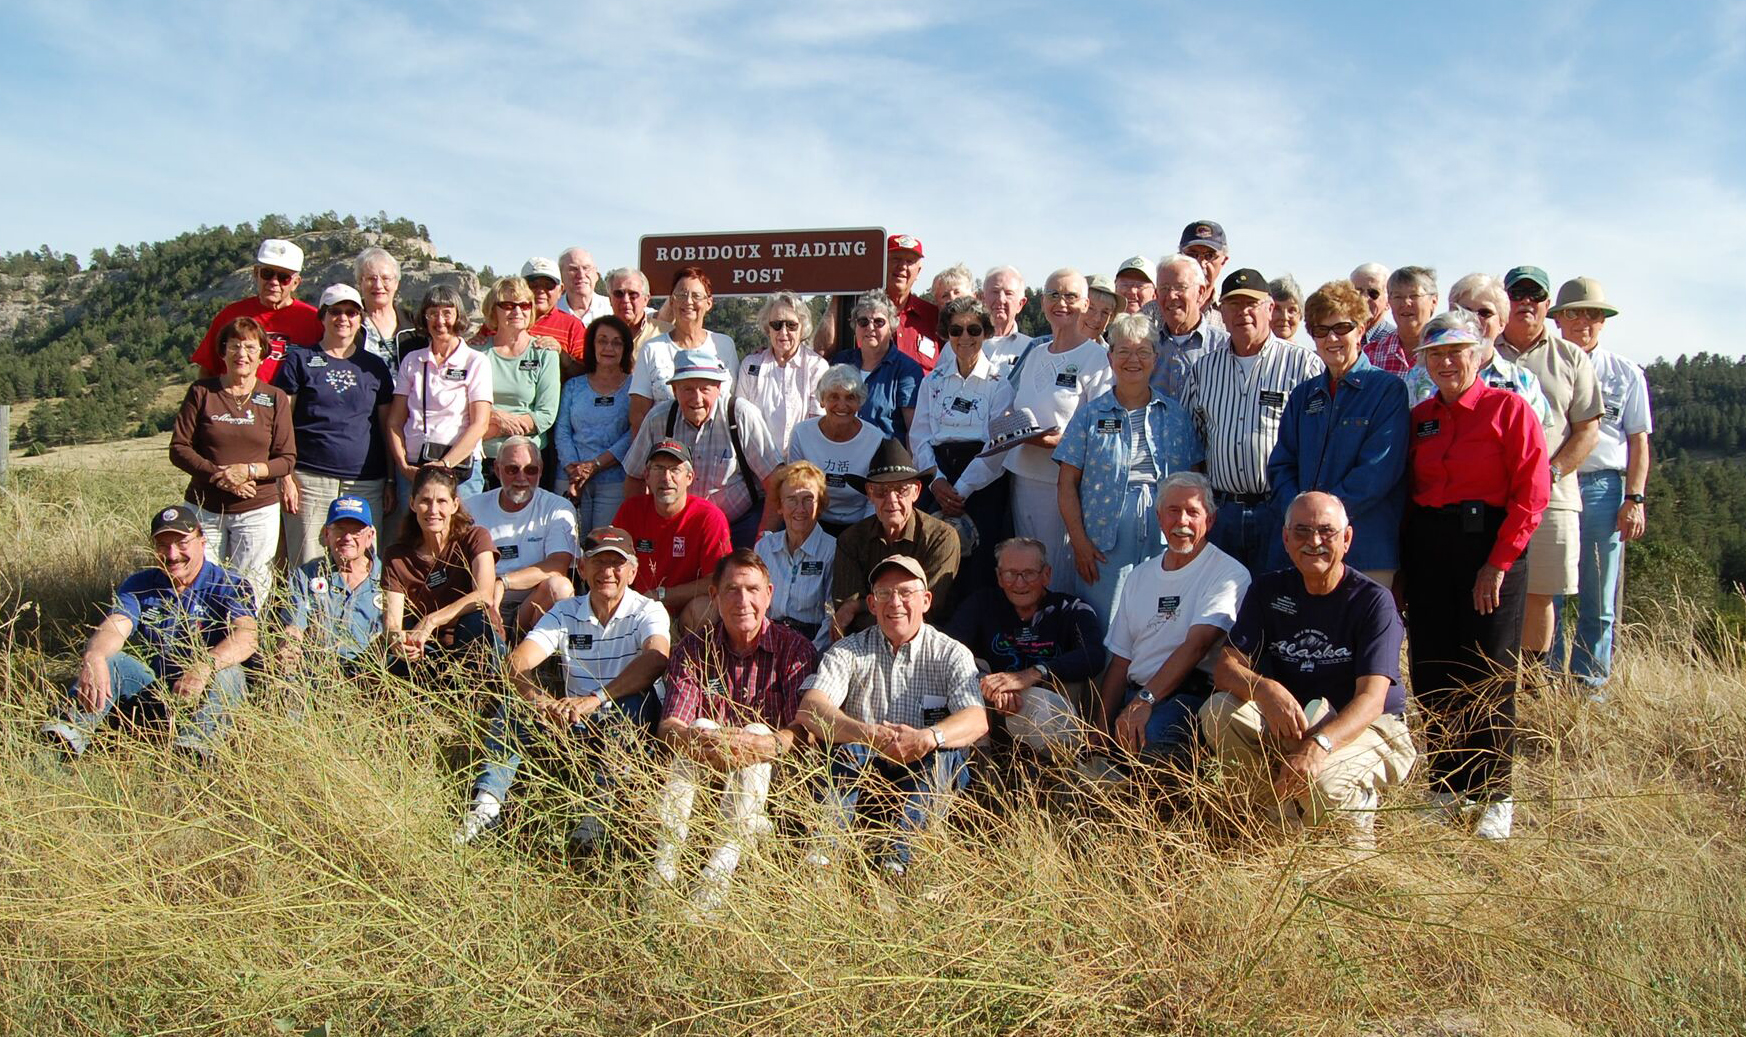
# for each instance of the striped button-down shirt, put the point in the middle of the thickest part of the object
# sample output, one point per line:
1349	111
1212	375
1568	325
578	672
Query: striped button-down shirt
707	677
1238	412
595	653
922	682
800	580
712	452
784	393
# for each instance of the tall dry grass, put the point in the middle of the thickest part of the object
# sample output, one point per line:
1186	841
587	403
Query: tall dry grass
307	875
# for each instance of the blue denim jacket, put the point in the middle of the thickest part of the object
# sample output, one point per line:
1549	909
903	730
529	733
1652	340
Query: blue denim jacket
1354	446
892	387
1096	442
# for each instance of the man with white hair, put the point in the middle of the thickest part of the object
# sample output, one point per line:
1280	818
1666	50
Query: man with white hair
534	531
1003	293
1371	280
1186	332
1309	683
580	300
628	292
289	321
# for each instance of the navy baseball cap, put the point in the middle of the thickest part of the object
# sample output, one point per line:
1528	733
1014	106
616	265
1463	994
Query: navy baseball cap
178	518
355	508
1204	232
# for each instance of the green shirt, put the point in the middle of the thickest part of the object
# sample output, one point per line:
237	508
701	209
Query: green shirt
527	384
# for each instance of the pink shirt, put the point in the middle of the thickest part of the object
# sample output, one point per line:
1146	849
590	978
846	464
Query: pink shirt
437	395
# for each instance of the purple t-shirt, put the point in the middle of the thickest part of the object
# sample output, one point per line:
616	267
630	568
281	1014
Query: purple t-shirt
1319	645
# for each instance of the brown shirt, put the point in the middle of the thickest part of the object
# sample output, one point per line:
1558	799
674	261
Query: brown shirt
863	545
431	583
215	429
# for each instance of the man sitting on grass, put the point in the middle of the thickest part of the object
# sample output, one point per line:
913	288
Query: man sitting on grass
196	625
1310	682
336	601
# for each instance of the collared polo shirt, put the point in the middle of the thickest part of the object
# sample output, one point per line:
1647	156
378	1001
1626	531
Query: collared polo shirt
594	653
1567	378
786	394
438	395
562	325
919	683
1238	410
334	617
1485	446
175	628
1099	442
712	451
707	677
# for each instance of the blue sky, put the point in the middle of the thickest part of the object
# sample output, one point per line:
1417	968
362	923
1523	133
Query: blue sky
1598	139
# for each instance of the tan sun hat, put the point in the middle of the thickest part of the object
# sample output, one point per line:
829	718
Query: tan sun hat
1583	293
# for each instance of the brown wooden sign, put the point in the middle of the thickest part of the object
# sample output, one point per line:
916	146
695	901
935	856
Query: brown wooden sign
759	262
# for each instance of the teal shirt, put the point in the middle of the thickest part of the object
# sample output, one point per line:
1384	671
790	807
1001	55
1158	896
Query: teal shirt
527	384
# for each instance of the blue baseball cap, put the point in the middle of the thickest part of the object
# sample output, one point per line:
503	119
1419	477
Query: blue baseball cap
355	508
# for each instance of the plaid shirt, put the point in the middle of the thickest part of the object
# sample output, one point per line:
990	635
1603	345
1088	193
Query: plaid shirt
706	677
927	679
1389	354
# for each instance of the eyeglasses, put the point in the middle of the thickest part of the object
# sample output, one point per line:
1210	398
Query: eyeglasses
904	594
543	285
1583	315
626	293
869	322
345	312
1528	293
505	304
690	296
1370	293
1067	297
1340	330
1303	532
1020	575
889	489
281	276
242	345
784	325
1143	353
1402	300
966	329
511	469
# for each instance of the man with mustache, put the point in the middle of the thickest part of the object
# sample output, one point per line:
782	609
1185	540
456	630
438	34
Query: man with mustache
535	534
1309	683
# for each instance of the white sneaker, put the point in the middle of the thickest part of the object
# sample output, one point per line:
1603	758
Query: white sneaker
1496	820
483	817
818	859
709	896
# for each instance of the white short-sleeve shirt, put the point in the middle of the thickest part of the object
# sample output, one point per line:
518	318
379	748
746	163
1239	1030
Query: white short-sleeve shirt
655	365
544	526
1158	607
839	461
1625	397
593	654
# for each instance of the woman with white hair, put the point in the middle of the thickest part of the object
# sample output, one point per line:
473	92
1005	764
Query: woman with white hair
892	378
386	324
781	380
1483	296
954	282
841	444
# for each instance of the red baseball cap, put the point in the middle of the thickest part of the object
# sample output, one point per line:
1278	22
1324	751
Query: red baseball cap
898	242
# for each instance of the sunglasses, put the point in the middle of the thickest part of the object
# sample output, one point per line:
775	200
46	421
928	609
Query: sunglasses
280	276
1528	293
784	325
1345	327
869	322
505	304
966	329
1370	293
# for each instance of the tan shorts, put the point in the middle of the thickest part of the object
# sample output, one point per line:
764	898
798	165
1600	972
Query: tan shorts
1553	553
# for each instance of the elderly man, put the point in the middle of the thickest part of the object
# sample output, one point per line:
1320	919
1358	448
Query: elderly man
553	328
1172	612
734	454
1483	295
289	321
1204	242
335	601
679	538
628	289
898	702
896	527
1038	650
1003	294
578	272
733	699
918	320
1611	480
613	643
196	625
1309	683
1133	282
1567	378
1237	397
1412	300
1185	331
1371	280
534	531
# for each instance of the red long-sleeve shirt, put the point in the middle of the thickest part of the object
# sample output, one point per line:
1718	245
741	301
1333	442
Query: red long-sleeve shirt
1487	446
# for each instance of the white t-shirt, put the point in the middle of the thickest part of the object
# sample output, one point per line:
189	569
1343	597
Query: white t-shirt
1625	399
655	365
594	654
838	461
545	525
1157	607
1054	386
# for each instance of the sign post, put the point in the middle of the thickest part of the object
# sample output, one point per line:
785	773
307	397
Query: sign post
805	262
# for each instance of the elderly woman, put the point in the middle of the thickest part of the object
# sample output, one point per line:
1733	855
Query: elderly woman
1114	453
1345	433
1287	310
841	444
1103	302
233	437
801	554
692	299
387	327
781	380
954	282
1483	296
892	378
524	380
1479	483
441	575
340	397
593	429
442	400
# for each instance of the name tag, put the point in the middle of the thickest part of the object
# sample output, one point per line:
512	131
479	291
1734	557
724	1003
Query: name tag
1317	405
963	406
529	363
751	370
645	547
507	551
604	401
262	399
1613	411
812	568
437	578
1168	605
1109	426
581	642
1427	429
1272	398
318	361
678	547
1067	380
455	374
934	709
833	479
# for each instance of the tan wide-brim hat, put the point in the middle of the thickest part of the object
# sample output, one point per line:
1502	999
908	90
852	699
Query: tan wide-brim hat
1583	293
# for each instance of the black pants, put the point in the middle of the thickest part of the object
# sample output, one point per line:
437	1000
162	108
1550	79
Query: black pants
990	508
1463	664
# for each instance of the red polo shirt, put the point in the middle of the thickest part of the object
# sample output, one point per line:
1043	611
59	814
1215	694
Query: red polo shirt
1486	446
565	327
672	551
293	325
918	321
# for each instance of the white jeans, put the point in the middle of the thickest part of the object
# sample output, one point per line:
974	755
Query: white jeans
316	492
1036	512
745	792
244	542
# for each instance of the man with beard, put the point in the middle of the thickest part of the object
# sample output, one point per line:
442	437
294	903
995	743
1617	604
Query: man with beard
535	534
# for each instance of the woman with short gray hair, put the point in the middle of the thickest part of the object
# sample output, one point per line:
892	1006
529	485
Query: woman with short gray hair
781	380
386	324
841	444
1287	320
892	378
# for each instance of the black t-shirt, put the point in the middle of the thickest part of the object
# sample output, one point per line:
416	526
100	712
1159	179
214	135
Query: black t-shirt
1319	645
1063	634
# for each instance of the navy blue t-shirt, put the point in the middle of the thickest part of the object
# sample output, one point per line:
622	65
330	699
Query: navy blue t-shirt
334	411
172	628
1319	645
1064	633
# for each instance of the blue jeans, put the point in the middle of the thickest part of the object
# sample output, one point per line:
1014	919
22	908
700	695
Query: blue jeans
1137	539
132	682
615	727
1591	656
1174	726
598	503
1246	532
925	787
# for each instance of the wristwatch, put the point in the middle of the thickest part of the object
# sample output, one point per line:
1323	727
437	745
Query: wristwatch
1042	671
1147	697
939	737
1557	472
1636	498
1322	740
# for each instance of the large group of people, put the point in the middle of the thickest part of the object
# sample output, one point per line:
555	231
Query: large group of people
1199	517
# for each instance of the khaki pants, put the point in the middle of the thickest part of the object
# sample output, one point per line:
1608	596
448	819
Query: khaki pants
1352	779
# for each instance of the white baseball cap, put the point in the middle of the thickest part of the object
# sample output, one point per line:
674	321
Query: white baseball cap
280	253
540	266
341	293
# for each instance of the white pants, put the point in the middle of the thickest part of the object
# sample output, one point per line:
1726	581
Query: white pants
316	491
1046	720
244	542
1036	513
744	794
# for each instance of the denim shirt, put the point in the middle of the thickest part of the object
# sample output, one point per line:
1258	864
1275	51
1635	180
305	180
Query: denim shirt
891	387
1354	446
1171	374
332	616
589	423
1096	442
